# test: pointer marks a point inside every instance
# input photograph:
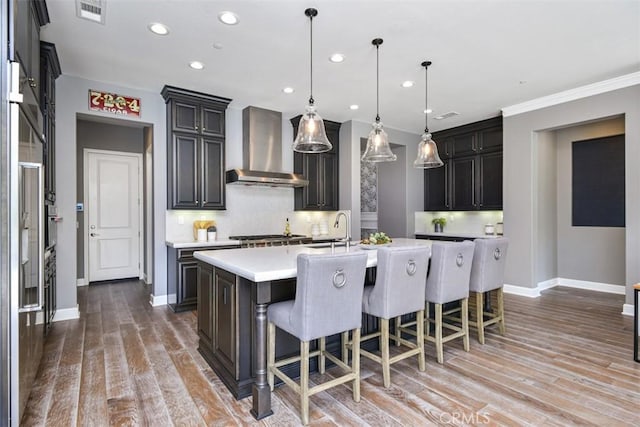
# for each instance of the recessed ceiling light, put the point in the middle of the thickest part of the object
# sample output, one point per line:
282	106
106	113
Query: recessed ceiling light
158	28
196	65
407	83
427	111
354	107
336	57
218	45
288	90
228	18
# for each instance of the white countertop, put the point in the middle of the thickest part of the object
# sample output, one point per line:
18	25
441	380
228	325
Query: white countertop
279	262
458	234
194	244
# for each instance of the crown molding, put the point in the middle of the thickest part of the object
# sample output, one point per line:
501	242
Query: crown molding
573	94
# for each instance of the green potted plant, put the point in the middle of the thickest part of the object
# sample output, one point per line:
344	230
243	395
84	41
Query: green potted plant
438	224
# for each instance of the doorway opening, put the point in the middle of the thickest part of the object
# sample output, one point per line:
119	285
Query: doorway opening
114	161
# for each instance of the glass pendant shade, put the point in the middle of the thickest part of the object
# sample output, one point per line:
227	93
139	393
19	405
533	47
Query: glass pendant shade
378	149
311	136
427	153
427	149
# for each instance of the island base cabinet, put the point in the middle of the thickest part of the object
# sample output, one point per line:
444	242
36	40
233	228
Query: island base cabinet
227	326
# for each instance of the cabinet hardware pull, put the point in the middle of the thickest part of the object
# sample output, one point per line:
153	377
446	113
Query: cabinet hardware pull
224	296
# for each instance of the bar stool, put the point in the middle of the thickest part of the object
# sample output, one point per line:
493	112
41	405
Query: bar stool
328	301
399	290
487	275
448	281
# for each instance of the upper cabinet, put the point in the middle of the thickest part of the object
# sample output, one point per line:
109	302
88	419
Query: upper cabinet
196	147
471	178
321	170
49	71
30	15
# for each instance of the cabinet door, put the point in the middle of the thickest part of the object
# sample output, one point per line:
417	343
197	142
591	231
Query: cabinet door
212	121
205	304
490	172
212	179
184	172
329	181
463	193
312	170
490	139
464	144
185	117
436	184
225	322
187	283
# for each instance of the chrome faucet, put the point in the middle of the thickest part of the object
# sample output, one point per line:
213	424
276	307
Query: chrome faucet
347	233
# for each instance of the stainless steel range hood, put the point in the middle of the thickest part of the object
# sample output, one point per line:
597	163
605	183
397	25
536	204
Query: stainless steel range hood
262	152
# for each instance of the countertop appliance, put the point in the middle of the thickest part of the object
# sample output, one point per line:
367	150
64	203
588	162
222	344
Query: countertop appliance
261	240
26	293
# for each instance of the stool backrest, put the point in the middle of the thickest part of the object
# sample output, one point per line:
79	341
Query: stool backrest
487	270
329	293
400	276
449	273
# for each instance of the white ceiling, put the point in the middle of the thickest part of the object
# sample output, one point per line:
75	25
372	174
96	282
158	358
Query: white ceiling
486	54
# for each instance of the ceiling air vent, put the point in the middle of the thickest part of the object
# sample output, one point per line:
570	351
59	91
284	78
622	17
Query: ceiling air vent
93	10
447	115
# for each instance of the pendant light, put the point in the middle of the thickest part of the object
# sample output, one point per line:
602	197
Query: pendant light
427	149
311	137
378	149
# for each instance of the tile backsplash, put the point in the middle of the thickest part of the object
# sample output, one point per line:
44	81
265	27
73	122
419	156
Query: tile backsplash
458	222
252	210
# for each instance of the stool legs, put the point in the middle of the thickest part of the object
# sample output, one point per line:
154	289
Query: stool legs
304	382
355	364
465	323
480	316
501	311
321	357
420	339
438	319
271	353
384	350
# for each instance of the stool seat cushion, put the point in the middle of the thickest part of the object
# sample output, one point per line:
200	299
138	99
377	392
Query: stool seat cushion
400	278
448	278
487	270
328	296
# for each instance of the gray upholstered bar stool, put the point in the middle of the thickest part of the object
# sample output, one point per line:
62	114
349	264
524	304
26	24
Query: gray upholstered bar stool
448	281
399	290
487	275
328	301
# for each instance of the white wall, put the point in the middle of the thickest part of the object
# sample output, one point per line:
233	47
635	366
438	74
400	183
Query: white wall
72	98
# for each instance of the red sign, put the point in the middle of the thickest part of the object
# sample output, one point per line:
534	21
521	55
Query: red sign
114	103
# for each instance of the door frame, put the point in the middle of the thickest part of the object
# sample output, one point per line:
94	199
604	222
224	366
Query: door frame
85	192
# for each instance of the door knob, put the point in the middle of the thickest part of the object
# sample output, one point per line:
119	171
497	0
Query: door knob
94	234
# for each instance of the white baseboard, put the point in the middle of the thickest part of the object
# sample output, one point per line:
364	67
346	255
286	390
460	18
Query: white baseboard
627	310
145	278
592	286
521	291
157	301
66	314
82	282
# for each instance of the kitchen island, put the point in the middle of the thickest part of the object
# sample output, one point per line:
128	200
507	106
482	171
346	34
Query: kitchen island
235	287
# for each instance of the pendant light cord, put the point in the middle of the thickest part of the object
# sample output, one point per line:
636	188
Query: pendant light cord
311	59
426	105
377	83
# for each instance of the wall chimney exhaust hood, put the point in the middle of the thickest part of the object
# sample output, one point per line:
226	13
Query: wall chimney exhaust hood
262	152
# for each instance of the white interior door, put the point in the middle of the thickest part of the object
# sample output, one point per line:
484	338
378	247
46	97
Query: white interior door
113	214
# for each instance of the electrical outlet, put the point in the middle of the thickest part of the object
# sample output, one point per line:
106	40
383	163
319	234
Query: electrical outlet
180	220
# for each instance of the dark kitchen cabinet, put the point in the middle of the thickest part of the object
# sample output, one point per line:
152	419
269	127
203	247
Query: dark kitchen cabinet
182	276
205	306
321	170
49	71
471	178
224	324
196	155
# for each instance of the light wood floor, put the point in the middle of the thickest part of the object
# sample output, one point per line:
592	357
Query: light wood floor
566	360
